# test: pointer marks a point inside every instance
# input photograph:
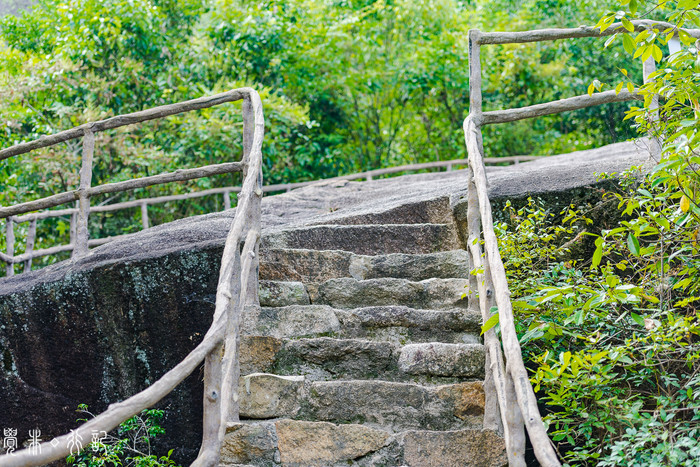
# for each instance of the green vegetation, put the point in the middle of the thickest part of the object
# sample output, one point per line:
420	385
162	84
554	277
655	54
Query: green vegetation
606	311
610	326
347	86
130	446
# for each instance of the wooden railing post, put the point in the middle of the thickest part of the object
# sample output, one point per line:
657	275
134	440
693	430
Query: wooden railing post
144	215
649	67
74	224
475	102
227	200
82	234
248	125
31	235
10	241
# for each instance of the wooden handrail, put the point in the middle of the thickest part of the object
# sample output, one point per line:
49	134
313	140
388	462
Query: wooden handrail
509	380
238	286
539	35
127	119
555	107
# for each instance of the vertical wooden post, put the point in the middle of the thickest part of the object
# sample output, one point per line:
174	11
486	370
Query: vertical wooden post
500	399
221	403
475	102
74	225
674	45
31	236
448	168
369	178
248	133
10	240
474	222
81	233
144	215
227	200
649	67
247	281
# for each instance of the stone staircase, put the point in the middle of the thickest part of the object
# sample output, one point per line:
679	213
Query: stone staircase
363	351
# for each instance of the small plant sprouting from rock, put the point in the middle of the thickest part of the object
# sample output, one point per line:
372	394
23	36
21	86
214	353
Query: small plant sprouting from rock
130	446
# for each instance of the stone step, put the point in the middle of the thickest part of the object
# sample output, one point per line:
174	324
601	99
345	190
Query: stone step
391	406
321	265
397	406
282	293
297	443
346	292
396	324
437	294
441	359
432	211
367	239
326	358
474	448
291	321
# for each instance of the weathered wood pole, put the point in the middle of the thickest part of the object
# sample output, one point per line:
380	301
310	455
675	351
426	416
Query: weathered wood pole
31	236
74	225
144	215
81	234
10	241
515	366
649	67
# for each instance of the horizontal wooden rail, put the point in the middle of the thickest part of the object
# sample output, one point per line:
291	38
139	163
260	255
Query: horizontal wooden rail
538	35
555	107
177	176
127	119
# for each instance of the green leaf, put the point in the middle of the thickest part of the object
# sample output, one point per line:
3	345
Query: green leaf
637	319
610	40
627	24
490	323
629	46
633	244
688	4
598	253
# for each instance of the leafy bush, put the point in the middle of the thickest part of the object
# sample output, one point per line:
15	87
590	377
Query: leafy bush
613	357
130	446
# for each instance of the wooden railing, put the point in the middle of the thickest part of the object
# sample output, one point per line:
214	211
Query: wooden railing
507	378
237	287
30	253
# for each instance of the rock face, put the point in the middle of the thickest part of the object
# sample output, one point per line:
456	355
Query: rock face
362	343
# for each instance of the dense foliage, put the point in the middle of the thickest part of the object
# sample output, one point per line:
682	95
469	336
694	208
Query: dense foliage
129	445
612	332
348	85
